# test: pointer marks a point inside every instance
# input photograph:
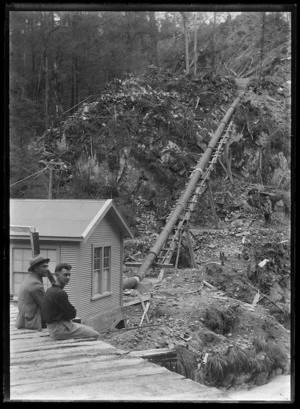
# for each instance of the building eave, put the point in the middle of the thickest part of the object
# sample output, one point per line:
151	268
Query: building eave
47	238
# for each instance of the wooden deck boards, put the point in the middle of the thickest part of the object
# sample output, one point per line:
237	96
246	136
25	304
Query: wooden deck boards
42	369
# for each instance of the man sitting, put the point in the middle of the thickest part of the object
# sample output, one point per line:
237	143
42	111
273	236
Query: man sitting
31	295
58	312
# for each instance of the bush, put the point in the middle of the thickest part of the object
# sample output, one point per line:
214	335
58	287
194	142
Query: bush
221	322
275	355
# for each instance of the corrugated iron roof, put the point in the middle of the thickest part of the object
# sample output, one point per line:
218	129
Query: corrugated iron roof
62	218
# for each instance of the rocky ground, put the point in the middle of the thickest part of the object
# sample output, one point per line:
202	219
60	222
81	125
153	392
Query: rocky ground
236	301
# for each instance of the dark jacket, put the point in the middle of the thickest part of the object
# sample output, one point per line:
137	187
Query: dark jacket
56	305
30	302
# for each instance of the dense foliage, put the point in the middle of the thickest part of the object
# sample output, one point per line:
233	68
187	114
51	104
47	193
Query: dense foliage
121	104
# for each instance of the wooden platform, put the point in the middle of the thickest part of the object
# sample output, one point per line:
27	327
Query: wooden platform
42	369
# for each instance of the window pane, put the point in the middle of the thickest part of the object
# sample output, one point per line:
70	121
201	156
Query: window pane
17	289
97	264
97	258
106	261
105	281
18	265
52	255
18	254
51	266
99	284
25	265
27	255
18	278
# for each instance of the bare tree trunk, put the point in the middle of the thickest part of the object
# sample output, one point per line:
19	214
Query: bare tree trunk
46	63
186	37
154	37
74	83
38	88
46	90
213	44
128	42
50	182
195	47
262	43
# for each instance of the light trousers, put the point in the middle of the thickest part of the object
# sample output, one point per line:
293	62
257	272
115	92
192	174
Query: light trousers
69	329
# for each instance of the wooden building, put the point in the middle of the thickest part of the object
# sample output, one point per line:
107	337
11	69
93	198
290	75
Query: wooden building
88	234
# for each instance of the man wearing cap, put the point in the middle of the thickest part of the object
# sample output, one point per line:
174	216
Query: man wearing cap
31	294
59	313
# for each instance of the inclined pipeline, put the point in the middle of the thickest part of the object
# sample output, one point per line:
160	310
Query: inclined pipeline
132	282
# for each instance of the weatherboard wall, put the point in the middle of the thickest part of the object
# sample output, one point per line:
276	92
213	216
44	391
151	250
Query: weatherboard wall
106	233
70	253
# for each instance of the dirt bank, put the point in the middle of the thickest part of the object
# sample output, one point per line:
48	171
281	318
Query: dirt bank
278	389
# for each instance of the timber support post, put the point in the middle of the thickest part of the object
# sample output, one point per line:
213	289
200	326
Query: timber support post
190	247
228	157
212	204
178	250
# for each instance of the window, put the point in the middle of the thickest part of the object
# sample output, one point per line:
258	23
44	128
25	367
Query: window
101	282
20	264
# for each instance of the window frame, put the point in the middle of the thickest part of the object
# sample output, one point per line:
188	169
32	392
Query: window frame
99	292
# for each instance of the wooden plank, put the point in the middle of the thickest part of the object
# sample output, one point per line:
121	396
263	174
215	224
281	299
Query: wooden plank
150	352
81	370
161	274
125	372
144	308
17	337
98	385
137	300
28	345
27	340
16	356
154	264
68	361
145	314
46	356
166	386
21	331
72	343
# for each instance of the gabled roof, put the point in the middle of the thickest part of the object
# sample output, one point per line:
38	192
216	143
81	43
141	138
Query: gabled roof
64	219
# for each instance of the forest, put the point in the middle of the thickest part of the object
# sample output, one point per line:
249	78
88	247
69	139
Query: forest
105	103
